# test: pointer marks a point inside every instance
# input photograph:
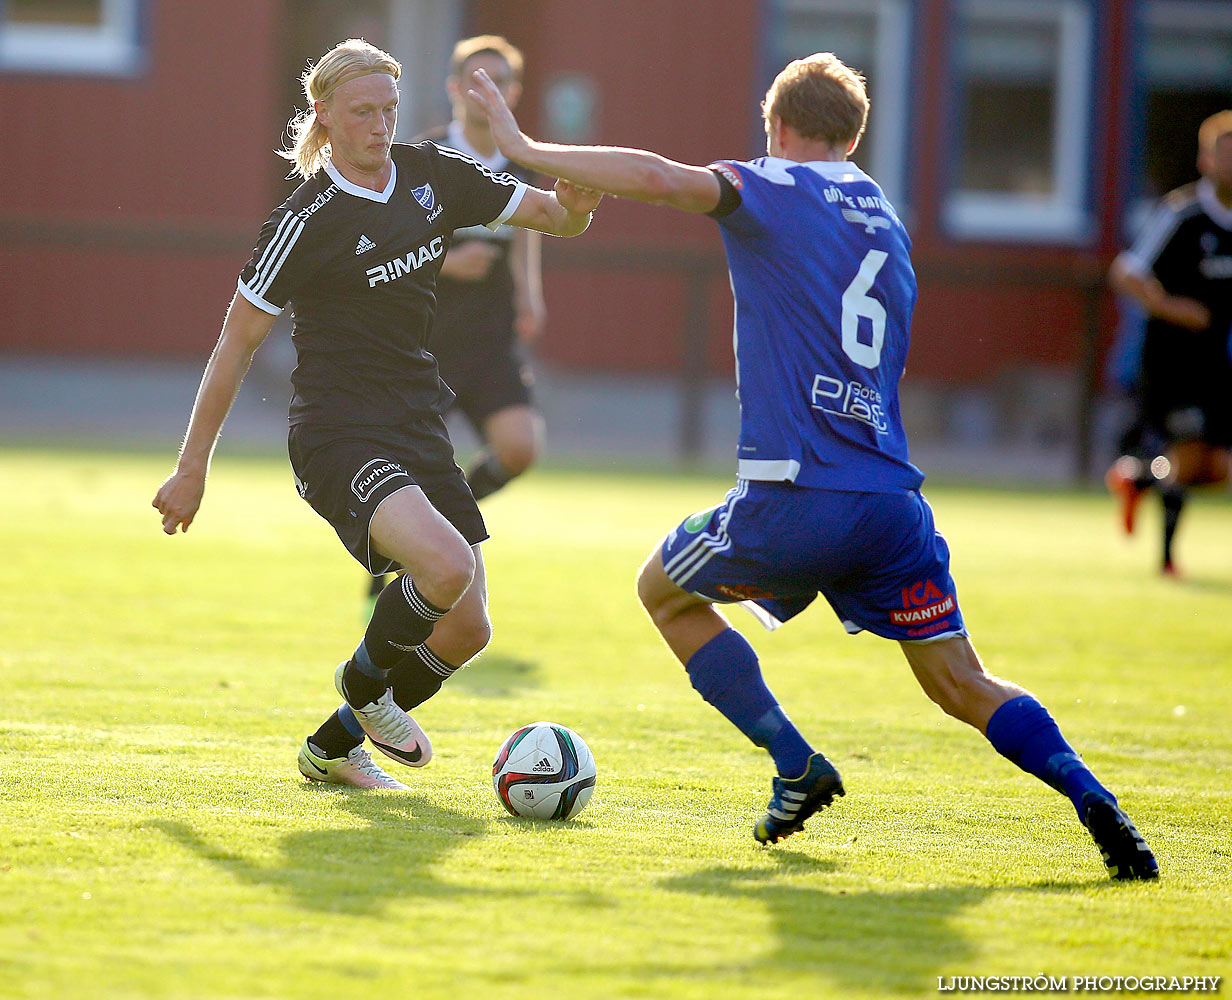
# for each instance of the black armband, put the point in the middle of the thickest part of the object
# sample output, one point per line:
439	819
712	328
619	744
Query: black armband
729	197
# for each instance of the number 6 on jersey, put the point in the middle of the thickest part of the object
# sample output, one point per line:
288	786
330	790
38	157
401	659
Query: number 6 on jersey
856	303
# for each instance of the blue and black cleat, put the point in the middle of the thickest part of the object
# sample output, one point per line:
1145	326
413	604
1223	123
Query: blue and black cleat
796	799
1124	851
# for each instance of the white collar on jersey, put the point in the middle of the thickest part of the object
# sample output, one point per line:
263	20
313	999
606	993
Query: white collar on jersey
837	170
455	138
1216	209
777	168
363	192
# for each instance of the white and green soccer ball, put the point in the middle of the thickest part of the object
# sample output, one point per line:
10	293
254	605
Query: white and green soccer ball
544	771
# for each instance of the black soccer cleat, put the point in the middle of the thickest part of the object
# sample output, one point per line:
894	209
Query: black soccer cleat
1123	849
796	799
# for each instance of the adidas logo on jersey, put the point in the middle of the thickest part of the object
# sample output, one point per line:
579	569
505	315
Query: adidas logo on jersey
364	245
543	765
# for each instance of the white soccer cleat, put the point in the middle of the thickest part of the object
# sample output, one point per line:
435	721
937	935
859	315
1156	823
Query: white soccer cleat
395	733
356	769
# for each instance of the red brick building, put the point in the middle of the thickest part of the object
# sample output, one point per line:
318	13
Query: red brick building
1014	135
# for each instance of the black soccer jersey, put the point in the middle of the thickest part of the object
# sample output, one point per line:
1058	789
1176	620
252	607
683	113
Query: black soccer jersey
359	268
474	319
1188	247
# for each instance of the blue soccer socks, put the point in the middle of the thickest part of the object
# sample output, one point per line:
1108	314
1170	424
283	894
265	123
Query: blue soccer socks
1024	733
726	673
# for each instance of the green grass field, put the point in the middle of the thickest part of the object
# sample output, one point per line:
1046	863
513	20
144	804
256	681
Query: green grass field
157	841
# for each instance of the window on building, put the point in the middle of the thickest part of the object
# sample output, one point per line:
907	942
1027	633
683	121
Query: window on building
1019	161
69	36
1187	77
871	36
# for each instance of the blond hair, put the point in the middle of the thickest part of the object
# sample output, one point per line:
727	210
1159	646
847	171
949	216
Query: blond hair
821	98
1213	129
346	61
482	45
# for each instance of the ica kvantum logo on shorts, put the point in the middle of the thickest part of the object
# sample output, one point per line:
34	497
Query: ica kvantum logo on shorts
922	602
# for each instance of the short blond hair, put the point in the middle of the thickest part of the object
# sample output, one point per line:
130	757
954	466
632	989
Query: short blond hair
346	61
821	98
1213	129
479	45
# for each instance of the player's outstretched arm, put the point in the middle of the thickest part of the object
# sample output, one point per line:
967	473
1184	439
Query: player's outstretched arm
627	173
245	328
1145	288
563	212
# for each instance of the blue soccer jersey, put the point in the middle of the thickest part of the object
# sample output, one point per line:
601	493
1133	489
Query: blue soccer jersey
824	291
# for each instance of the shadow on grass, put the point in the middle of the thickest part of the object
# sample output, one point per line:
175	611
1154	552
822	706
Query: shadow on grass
352	870
494	675
863	940
1209	584
541	827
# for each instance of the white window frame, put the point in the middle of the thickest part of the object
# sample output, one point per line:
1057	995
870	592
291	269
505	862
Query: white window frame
1191	16
1188	15
888	121
1064	215
111	48
1195	15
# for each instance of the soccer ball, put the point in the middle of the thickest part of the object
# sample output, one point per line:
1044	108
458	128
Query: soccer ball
544	771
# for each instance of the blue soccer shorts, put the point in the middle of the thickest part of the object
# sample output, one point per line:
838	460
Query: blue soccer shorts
877	558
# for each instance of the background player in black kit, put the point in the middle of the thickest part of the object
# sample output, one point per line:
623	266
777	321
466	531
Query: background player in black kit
490	294
356	250
1180	272
489	298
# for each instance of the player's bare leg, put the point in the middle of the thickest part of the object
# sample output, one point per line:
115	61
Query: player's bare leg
1196	463
1218	466
686	621
513	442
1020	729
724	670
440	566
951	674
456	639
466	630
408	529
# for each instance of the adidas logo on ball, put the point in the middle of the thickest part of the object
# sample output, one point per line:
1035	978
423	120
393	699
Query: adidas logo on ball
543	765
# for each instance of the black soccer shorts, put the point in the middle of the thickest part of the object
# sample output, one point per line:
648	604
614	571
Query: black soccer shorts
494	383
346	473
1204	416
